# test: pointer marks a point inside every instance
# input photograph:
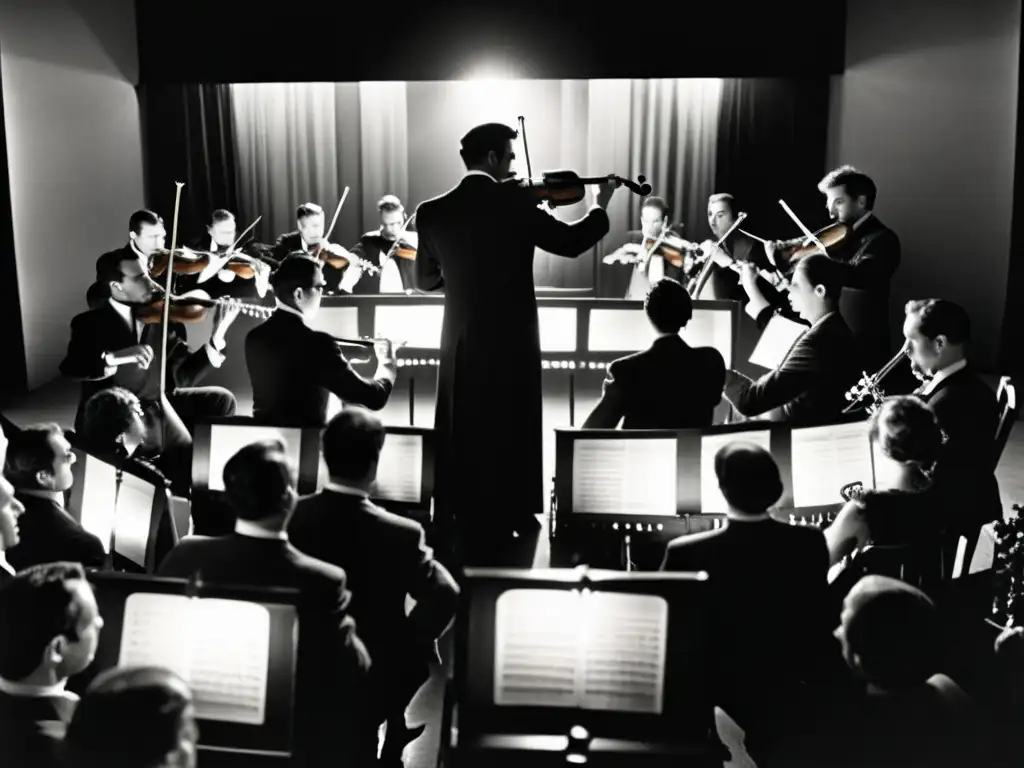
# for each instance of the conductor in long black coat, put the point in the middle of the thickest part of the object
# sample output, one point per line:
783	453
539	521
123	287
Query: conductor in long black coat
477	243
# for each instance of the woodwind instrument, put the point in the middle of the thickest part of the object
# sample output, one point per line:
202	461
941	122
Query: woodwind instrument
869	386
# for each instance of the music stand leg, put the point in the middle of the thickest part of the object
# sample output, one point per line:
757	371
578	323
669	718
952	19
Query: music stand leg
627	552
572	399
412	401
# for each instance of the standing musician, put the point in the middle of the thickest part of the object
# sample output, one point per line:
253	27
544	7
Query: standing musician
109	347
869	255
293	368
646	271
378	246
492	489
146	234
309	239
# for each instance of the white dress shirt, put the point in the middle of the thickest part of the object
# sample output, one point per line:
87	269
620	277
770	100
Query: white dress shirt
5	565
350	490
36	691
254	531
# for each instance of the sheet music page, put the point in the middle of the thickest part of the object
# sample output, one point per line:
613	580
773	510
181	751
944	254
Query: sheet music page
624	476
776	340
220	647
342	322
536	648
711	499
98	494
418	326
134	515
710	328
827	458
619	330
557	329
227	439
625	644
400	470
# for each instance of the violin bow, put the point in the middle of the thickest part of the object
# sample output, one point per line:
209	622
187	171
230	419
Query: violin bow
327	235
705	271
649	252
398	238
215	265
167	288
811	238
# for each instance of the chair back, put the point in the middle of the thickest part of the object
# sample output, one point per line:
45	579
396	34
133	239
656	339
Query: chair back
1008	411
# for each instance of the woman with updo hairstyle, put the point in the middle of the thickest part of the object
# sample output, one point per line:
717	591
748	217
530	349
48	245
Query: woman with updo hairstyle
906	440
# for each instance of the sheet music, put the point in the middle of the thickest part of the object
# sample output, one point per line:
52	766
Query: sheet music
827	458
419	326
134	515
557	329
595	650
98	493
221	648
536	655
776	340
400	469
624	477
227	439
711	499
624	652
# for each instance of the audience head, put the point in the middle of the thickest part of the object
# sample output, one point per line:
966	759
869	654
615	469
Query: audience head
10	511
748	478
146	232
888	633
937	332
123	278
223	229
309	217
721	213
260	484
815	287
134	717
51	624
653	215
39	459
849	194
668	306
352	443
907	432
488	148
299	283
113	422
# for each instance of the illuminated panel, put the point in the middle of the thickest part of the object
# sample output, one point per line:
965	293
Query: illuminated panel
417	326
557	329
342	322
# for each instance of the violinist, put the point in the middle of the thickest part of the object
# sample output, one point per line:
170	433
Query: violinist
110	347
146	234
398	271
309	238
492	490
647	271
221	234
724	282
869	255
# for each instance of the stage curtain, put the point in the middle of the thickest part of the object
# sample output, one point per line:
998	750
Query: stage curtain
189	137
772	138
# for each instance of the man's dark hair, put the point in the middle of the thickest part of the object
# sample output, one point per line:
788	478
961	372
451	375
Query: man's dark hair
257	480
110	270
221	214
306	210
748	477
30	452
352	442
668	305
143	217
893	628
107	415
939	317
819	269
35	607
723	197
489	137
298	270
150	701
655	202
389	203
853	181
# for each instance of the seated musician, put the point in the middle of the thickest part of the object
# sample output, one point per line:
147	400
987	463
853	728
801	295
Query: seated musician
38	465
309	237
646	272
110	347
221	233
294	368
670	385
937	334
869	256
723	281
146	234
904	506
397	275
809	385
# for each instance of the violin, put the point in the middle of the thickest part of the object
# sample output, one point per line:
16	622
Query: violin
191	307
672	248
322	252
189	262
832	236
560	188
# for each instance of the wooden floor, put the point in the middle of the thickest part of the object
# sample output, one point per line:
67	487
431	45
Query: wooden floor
57	402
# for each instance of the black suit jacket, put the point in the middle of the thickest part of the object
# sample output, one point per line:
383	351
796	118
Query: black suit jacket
490	343
770	619
294	368
968	412
811	382
370	247
692	378
49	534
332	660
386	559
103	330
32	729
